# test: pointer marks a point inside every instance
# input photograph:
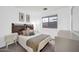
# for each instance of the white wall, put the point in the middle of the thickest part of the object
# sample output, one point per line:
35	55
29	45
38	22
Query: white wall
64	17
8	15
64	20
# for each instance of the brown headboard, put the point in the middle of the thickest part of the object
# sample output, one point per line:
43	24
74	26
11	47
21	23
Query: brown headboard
16	28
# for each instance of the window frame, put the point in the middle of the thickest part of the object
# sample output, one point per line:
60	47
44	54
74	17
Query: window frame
49	26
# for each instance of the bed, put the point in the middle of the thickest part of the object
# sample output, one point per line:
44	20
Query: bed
30	43
33	43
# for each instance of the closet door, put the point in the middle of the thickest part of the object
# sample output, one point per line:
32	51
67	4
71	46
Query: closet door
75	22
75	19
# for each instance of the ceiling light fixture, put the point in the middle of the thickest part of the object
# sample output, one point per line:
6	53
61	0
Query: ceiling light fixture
45	9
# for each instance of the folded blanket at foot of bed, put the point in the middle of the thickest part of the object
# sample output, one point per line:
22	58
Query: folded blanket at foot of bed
35	41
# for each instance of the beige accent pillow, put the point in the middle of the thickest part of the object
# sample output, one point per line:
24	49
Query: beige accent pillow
28	32
24	32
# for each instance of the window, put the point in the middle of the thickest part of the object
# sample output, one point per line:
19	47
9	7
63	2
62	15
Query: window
50	21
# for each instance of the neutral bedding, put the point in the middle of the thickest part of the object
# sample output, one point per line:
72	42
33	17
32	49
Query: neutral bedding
34	43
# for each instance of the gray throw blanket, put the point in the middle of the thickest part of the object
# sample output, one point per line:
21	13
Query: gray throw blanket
34	42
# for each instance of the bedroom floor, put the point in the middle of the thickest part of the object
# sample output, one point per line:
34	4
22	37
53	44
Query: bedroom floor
17	48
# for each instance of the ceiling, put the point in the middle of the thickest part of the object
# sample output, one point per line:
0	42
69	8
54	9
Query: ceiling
39	8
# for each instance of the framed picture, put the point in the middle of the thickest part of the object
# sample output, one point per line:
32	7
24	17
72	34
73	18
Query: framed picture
21	16
27	18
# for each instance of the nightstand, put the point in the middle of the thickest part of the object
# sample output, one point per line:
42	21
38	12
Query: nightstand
11	38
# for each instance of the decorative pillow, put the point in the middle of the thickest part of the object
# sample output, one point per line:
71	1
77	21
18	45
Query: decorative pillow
31	33
28	32
24	32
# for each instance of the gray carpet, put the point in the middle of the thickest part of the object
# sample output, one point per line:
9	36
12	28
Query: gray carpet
17	48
